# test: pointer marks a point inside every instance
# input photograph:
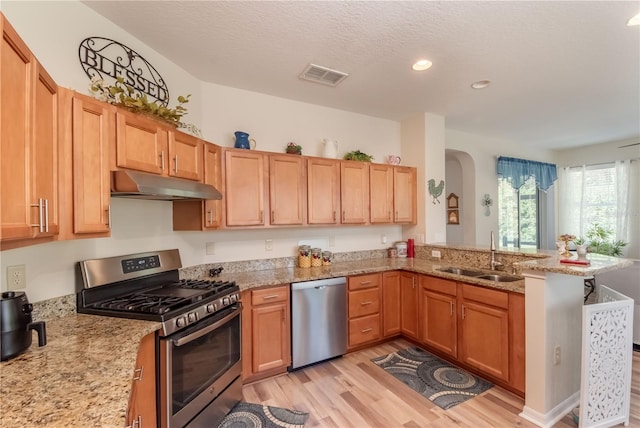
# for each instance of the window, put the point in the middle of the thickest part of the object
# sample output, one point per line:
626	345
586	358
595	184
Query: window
518	215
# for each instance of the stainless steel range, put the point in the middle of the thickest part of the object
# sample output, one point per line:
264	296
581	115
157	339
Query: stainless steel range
198	359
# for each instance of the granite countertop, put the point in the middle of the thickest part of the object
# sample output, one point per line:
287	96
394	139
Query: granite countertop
598	264
252	279
81	377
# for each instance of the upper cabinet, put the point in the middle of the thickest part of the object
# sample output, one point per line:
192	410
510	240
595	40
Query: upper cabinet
354	192
323	191
381	193
286	189
28	146
145	144
405	195
245	187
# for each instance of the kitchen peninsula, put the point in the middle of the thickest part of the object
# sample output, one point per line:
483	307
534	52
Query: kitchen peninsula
98	353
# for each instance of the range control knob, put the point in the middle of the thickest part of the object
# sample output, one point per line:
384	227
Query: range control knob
192	317
225	301
234	298
211	307
181	322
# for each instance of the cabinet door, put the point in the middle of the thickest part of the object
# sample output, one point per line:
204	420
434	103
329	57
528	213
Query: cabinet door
286	193
244	188
185	156
142	403
381	193
404	195
484	342
141	143
212	176
439	322
91	136
354	192
323	191
44	173
271	337
391	304
16	89
409	293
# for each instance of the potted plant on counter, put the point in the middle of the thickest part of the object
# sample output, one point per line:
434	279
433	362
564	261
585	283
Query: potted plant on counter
599	240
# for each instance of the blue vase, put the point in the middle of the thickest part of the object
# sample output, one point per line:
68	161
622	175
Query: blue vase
243	141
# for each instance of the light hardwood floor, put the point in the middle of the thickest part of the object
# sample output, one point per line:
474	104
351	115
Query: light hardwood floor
353	392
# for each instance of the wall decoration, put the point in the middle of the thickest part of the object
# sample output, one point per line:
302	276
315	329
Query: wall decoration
487	202
435	191
452	200
453	217
103	58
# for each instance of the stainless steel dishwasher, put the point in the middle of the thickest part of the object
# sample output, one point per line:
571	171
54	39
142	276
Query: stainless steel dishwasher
318	320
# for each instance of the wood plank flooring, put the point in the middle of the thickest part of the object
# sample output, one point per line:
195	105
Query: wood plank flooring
353	392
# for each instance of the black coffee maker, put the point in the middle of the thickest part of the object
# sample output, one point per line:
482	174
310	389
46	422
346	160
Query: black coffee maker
16	325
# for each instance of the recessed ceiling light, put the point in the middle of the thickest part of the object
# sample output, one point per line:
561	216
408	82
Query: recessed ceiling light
480	84
634	21
422	65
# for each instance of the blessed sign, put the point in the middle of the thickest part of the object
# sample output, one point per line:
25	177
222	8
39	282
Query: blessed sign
108	59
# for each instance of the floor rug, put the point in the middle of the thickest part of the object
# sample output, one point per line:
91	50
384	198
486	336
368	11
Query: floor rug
433	378
248	415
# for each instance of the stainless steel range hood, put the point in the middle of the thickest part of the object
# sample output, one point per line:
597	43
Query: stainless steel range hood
141	185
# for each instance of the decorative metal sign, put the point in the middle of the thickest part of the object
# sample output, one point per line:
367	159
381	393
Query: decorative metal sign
105	58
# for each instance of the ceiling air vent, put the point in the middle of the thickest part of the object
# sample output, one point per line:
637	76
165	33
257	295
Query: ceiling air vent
324	75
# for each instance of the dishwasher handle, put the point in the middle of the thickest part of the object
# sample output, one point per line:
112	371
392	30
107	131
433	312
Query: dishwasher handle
318	284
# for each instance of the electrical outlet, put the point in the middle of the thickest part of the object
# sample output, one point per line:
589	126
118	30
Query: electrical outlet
210	248
268	245
16	277
435	253
556	355
383	239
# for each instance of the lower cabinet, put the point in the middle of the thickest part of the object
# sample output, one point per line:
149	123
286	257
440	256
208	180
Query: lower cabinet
409	292
438	321
391	308
363	302
142	401
266	332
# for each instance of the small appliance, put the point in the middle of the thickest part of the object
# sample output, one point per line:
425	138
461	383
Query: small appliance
16	325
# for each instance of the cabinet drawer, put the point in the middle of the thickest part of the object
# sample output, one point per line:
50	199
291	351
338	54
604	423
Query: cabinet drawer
438	284
364	329
269	295
364	281
488	296
364	302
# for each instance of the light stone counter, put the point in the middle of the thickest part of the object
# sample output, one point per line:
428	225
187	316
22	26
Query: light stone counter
252	279
599	264
80	378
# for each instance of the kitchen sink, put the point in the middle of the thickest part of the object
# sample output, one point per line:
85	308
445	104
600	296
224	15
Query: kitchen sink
499	278
460	271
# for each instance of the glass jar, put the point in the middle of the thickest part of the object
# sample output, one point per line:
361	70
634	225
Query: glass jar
304	256
316	257
326	258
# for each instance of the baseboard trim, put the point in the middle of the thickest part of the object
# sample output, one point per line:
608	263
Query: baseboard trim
547	420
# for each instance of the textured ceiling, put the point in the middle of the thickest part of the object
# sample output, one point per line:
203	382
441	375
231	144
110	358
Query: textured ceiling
563	74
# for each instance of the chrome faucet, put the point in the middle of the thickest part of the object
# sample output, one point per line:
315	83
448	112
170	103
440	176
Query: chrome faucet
494	263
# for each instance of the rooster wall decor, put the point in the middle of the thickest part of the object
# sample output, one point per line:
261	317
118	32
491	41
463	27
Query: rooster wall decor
435	191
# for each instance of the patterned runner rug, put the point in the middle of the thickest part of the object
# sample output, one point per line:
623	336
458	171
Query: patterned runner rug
433	378
248	415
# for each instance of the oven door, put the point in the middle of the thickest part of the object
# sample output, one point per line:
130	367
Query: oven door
200	369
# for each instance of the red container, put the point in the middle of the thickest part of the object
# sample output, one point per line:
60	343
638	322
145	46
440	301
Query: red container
410	248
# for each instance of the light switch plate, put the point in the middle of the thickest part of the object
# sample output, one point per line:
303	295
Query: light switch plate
268	245
435	253
210	248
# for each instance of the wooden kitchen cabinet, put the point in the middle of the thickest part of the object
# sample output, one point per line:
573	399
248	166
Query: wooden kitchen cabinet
484	332
391	309
185	156
438	314
287	189
28	144
364	303
203	215
323	191
141	412
141	143
409	304
354	192
405	195
380	193
266	332
245	177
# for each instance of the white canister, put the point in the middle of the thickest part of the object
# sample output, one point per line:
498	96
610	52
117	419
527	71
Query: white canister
401	248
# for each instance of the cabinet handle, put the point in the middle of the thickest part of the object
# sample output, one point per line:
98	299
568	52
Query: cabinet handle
413	282
389	215
137	373
273	216
451	303
365	282
209	216
175	167
162	160
261	216
462	311
334	216
40	224
109	216
344	215
396	219
365	303
46	215
366	330
271	296
136	423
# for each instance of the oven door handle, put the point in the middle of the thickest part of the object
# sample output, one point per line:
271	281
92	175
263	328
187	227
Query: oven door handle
196	334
